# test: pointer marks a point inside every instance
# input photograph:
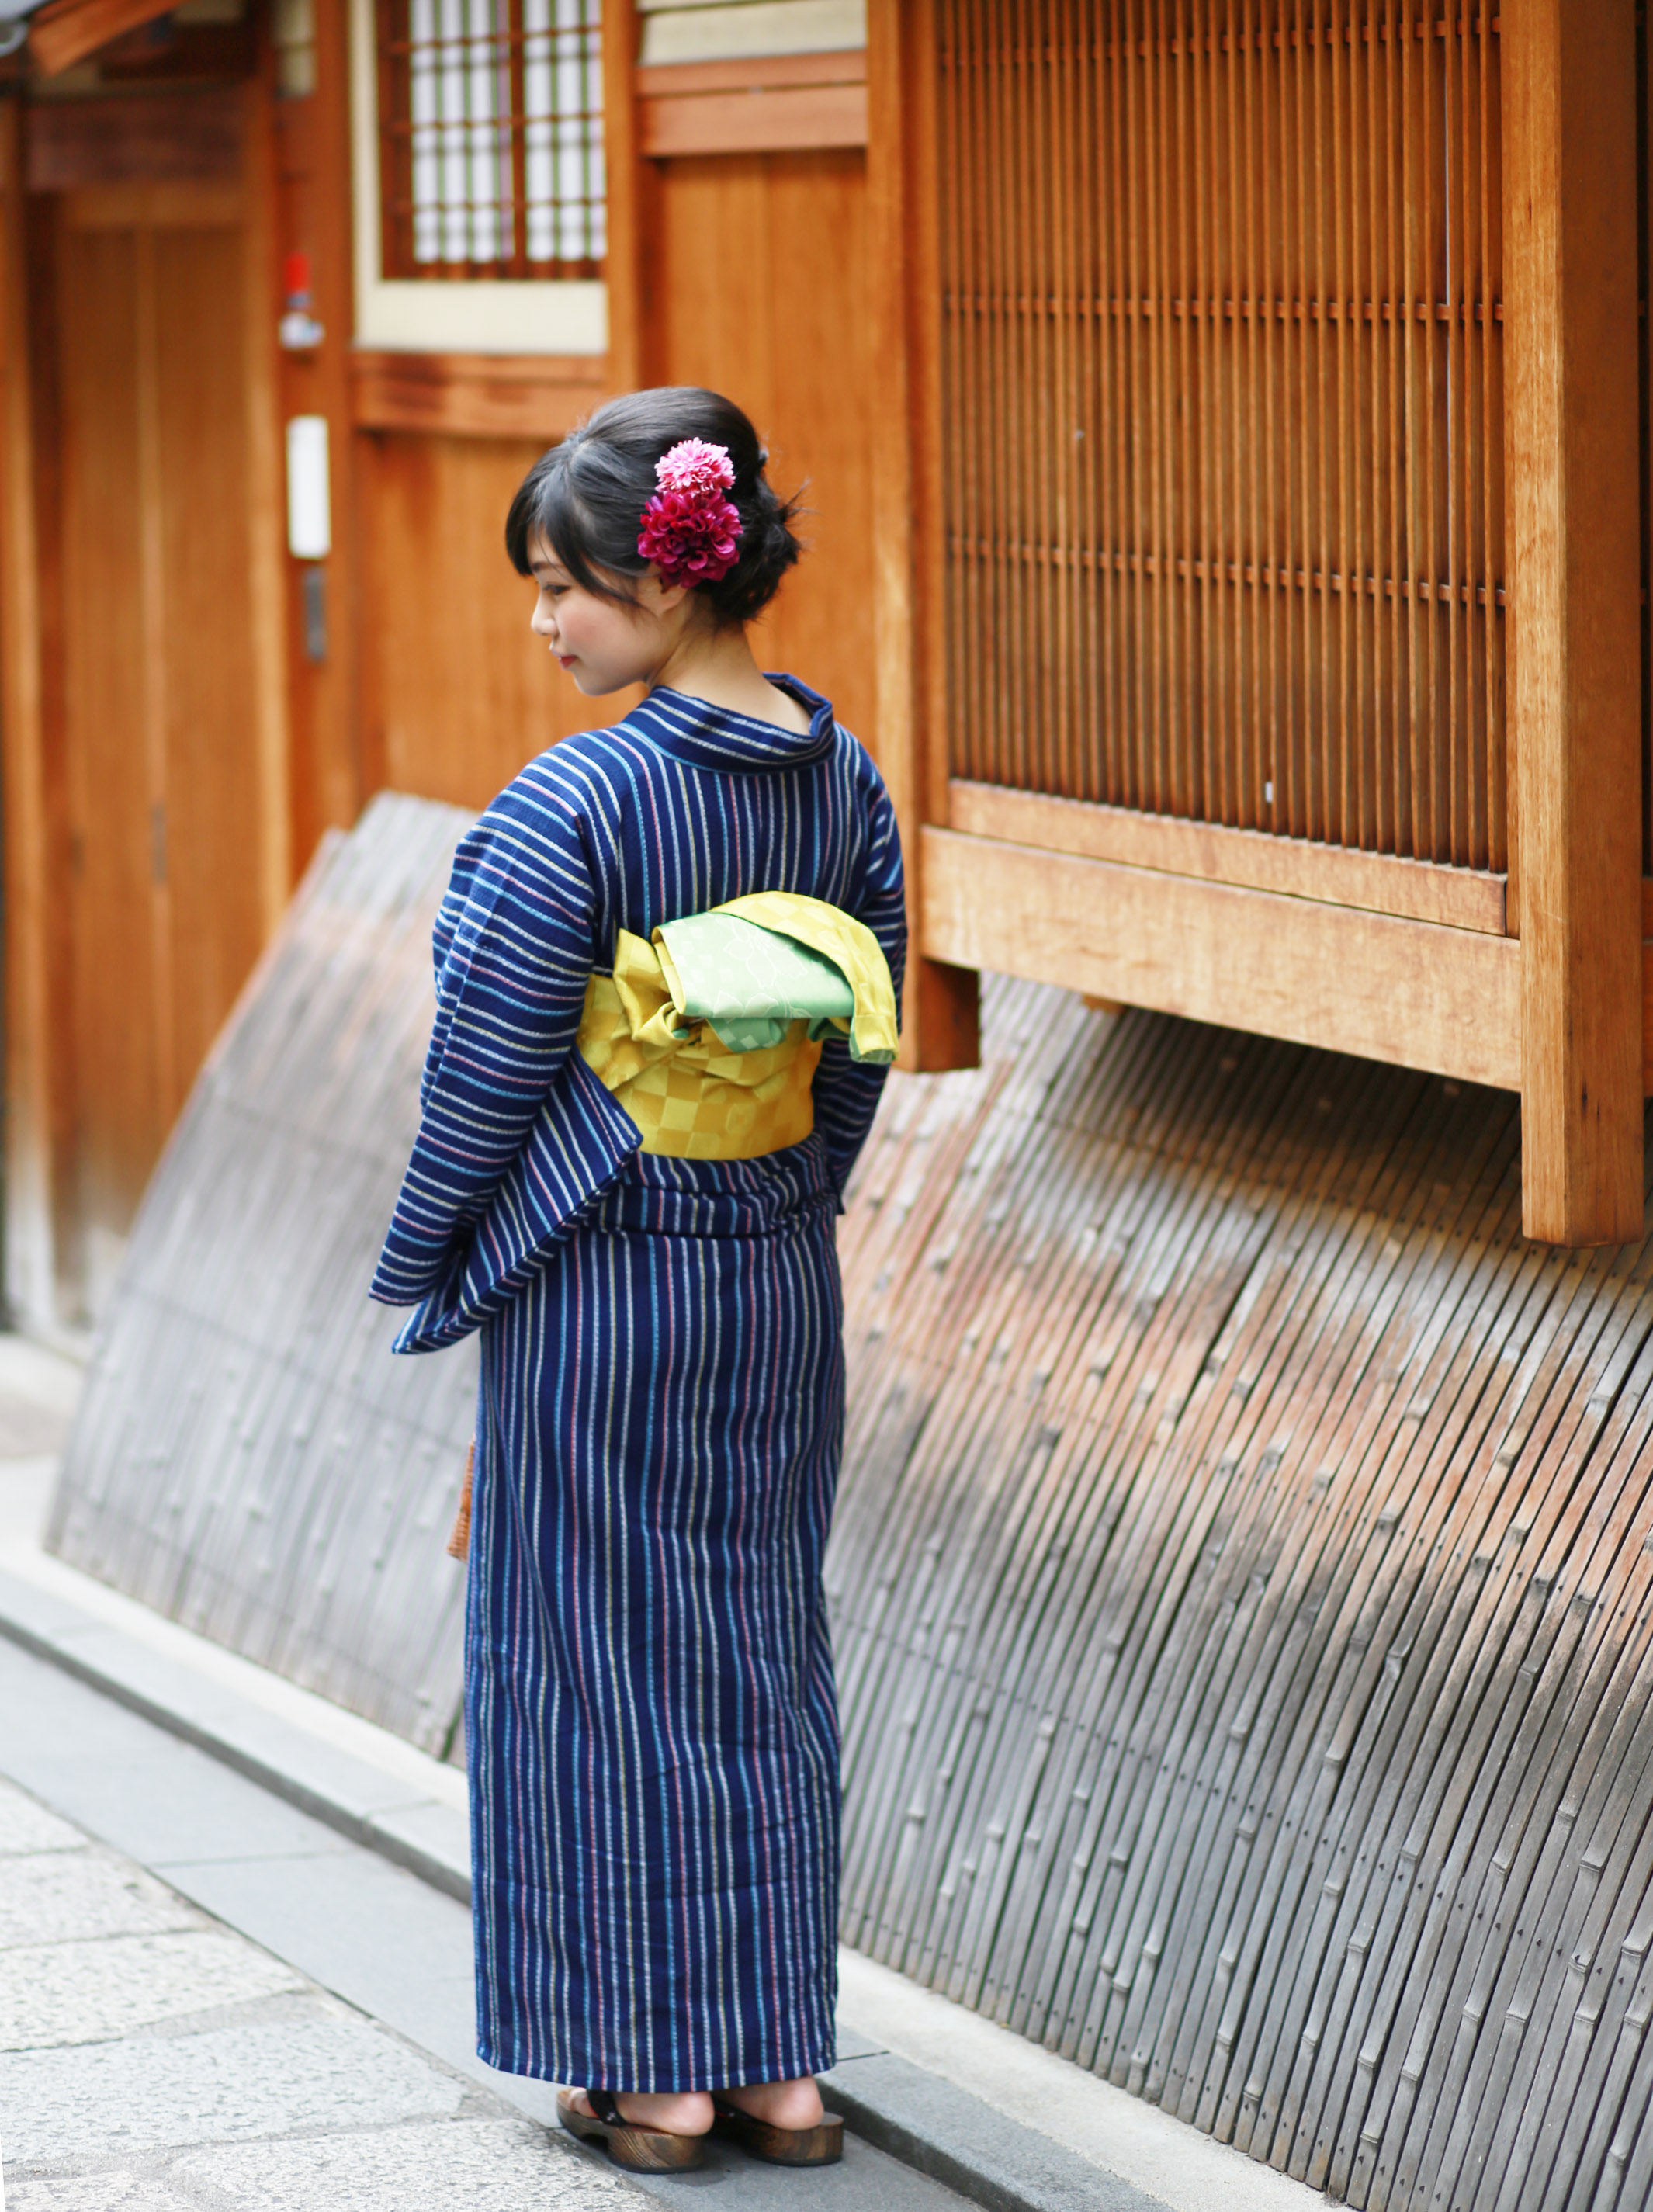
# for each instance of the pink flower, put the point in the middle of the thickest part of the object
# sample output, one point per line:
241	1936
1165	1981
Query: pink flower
694	466
689	530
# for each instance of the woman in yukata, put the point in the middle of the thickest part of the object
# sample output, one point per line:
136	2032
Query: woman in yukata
667	968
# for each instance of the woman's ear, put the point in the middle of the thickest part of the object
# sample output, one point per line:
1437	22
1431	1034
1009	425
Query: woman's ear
657	598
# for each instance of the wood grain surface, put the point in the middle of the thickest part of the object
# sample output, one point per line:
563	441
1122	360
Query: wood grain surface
1576	398
1419	891
783	331
1411	992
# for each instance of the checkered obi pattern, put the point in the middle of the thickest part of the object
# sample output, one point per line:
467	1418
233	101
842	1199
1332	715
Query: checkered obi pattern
708	1032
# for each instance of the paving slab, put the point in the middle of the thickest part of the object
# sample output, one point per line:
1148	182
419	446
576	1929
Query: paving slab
334	2069
69	1896
469	2165
77	1992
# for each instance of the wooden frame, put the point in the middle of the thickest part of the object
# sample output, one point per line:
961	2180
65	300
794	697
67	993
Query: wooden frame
1346	979
475	395
396	209
780	103
624	263
1539	980
939	1009
1573	421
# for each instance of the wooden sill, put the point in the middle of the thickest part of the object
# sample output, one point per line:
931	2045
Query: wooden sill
469	395
1252	859
1315	972
777	104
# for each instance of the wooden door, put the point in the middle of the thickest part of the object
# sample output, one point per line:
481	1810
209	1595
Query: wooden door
760	290
160	668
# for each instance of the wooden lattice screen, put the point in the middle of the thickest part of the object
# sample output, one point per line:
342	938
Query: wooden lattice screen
1222	373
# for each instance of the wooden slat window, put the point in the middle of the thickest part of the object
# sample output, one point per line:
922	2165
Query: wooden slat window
1223	372
491	138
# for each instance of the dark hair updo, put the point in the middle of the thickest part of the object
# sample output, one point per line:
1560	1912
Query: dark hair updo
585	498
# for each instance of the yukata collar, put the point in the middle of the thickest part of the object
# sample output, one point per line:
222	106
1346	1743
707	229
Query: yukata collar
705	736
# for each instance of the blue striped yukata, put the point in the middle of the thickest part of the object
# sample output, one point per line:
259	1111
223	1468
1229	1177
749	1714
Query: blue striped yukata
652	1728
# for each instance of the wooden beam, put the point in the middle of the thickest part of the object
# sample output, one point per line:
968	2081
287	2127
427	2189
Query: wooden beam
331	774
939	1025
1459	899
31	1146
65	32
765	119
1408	992
477	395
1571	337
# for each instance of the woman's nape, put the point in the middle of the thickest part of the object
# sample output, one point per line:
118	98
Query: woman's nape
657	634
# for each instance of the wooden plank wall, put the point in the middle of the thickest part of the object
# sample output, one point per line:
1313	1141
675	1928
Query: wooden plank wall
249	1460
767	299
457	695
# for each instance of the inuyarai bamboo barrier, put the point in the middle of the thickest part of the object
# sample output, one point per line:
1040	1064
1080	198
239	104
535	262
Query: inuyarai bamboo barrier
248	1458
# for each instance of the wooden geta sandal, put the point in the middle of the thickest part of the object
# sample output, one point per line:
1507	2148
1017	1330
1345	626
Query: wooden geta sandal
640	2150
821	2145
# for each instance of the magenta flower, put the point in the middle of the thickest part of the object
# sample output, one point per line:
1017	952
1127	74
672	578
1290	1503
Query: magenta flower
690	530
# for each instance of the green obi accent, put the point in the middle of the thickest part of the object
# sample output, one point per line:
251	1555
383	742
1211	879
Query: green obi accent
752	980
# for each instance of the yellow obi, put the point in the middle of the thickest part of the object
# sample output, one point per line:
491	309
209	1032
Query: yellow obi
708	1032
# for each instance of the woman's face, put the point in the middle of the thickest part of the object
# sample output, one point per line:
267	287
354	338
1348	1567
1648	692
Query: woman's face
603	644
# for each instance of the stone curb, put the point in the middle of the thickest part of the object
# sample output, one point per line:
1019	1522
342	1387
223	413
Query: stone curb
954	2137
373	1808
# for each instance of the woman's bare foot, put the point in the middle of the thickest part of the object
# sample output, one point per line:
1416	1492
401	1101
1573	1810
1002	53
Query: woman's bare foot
782	2104
685	2114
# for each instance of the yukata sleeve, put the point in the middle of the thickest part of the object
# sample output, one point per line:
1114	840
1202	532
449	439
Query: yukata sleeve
514	945
846	1091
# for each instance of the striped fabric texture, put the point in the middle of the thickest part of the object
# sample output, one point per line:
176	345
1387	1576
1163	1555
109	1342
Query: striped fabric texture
652	1730
680	808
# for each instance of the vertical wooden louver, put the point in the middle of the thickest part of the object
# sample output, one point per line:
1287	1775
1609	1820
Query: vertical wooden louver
1222	362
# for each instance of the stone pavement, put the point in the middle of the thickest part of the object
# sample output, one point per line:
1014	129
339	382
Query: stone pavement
153	2061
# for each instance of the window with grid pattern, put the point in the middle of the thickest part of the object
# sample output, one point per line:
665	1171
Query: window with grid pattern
491	138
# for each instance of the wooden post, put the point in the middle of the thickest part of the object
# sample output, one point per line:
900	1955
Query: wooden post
332	770
622	167
31	1148
1571	337
267	718
939	1026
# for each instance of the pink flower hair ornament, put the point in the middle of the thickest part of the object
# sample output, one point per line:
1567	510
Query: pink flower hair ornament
689	529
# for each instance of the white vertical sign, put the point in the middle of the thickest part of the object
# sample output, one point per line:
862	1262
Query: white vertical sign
309	509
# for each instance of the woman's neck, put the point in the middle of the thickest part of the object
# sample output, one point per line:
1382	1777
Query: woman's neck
718	666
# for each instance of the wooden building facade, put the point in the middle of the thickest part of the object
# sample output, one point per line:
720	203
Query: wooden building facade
1224	424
